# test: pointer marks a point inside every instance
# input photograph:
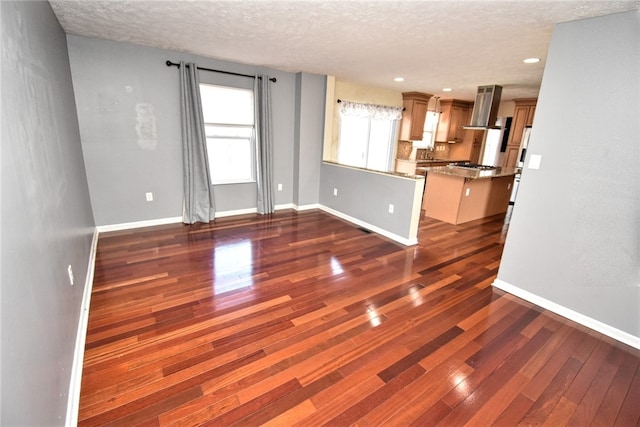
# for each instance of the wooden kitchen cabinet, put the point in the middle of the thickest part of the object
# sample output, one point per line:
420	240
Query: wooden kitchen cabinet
476	146
511	156
459	199
470	147
522	117
415	111
530	114
455	115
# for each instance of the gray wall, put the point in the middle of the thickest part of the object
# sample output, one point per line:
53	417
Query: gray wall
309	130
47	223
366	195
575	233
123	90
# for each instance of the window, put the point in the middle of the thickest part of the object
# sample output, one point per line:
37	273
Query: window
366	143
429	131
230	132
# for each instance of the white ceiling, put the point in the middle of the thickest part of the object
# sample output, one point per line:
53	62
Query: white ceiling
432	44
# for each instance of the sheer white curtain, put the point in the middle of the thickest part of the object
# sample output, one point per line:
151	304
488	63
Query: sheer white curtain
264	149
370	111
198	194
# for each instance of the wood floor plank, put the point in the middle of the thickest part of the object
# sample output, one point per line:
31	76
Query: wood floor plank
629	414
423	392
469	397
301	318
587	408
546	402
613	400
412	401
514	412
372	401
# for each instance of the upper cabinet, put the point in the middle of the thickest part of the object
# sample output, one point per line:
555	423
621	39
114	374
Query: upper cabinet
415	111
455	115
522	117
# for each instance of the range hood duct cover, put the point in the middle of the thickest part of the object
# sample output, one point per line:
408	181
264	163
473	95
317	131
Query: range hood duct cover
485	109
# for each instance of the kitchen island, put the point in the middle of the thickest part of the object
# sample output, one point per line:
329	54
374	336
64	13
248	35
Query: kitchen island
458	194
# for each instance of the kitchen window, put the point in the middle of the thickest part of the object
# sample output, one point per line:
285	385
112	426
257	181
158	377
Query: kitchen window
430	127
367	135
230	132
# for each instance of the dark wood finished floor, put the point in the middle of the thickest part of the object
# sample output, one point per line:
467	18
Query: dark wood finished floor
303	319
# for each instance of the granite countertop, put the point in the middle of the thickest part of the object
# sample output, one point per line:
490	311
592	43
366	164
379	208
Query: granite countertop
472	173
433	160
400	174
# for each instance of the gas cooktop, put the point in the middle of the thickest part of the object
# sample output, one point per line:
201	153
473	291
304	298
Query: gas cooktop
473	166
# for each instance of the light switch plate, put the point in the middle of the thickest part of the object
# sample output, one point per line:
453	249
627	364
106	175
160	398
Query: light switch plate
534	161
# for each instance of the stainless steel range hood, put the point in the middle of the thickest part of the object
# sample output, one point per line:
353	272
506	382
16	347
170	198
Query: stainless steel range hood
485	109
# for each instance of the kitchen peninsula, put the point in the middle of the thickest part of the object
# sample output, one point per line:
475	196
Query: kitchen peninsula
458	194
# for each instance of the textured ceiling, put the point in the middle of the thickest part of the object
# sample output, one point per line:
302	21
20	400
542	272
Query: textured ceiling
432	44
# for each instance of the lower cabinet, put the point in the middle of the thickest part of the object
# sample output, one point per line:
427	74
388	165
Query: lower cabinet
456	200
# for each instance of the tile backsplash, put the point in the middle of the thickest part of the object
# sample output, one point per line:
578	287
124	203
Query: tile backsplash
404	150
407	152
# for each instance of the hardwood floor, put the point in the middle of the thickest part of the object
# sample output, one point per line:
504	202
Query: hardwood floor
303	319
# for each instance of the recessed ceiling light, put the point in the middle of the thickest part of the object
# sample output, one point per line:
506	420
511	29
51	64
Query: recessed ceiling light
398	79
531	60
447	89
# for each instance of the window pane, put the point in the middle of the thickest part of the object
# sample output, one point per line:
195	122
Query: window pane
226	105
230	160
431	121
354	138
366	143
229	128
430	126
380	149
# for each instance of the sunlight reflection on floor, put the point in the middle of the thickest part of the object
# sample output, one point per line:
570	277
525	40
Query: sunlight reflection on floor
232	266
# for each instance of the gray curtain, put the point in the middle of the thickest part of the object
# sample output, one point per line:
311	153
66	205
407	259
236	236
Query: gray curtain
264	151
198	193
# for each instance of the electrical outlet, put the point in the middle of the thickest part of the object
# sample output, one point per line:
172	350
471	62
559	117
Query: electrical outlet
279	187
335	191
70	273
390	208
149	196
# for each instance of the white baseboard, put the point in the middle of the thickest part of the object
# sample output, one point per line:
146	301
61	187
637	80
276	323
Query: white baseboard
373	228
73	400
587	321
236	212
178	219
285	206
301	208
138	224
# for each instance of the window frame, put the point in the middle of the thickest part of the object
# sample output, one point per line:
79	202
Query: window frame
250	139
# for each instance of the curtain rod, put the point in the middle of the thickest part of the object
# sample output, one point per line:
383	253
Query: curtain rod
175	64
